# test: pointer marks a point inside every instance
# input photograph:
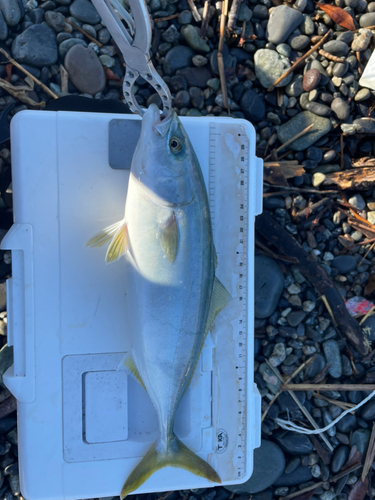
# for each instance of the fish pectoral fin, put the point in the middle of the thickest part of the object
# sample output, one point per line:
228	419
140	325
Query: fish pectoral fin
169	237
119	244
175	455
220	298
104	236
129	364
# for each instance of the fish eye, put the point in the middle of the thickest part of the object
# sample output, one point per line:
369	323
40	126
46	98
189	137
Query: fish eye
175	145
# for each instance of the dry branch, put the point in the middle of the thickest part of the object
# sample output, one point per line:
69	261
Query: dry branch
328	387
362	178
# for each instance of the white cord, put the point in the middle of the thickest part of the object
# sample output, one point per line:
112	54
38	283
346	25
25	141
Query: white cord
289	426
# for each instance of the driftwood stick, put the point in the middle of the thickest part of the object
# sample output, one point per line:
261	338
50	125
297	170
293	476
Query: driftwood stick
166	18
311	209
297	136
205	20
362	178
87	35
194	11
233	13
287	245
303	409
328	387
370	455
300	60
15	63
220	57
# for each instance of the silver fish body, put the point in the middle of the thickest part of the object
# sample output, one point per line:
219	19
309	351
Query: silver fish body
166	234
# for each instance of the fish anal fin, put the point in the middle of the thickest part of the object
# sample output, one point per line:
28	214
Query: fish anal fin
175	454
129	364
169	237
104	236
119	244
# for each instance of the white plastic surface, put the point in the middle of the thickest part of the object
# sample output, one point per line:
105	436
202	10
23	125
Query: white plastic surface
82	425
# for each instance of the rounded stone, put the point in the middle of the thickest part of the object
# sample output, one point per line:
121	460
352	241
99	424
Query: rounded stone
268	457
269	66
84	11
268	286
282	22
341	108
332	353
344	263
178	57
85	70
311	80
339	458
362	95
368	411
11	10
336	48
367	20
253	106
55	20
192	38
36	46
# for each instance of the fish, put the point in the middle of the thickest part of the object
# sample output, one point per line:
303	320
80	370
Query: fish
166	237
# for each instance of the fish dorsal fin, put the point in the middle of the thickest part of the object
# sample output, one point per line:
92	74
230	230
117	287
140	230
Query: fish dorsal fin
220	297
169	237
129	364
119	244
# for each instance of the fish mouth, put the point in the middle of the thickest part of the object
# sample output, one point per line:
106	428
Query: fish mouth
153	121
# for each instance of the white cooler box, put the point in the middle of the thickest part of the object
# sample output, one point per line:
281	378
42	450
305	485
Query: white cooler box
82	425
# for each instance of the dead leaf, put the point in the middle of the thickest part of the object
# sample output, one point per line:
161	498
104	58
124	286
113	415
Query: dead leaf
355	456
359	490
370	287
110	75
20	93
338	15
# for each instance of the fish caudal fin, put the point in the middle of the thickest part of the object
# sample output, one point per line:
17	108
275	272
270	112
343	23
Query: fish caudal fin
157	457
117	235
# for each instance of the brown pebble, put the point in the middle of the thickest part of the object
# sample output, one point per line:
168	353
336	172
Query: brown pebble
316	39
311	80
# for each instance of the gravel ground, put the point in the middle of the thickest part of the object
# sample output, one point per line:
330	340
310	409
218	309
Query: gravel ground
292	323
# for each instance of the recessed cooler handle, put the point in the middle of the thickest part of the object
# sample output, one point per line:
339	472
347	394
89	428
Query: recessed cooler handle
20	377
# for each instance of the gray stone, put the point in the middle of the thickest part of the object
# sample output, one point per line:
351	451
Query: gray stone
36	46
321	126
104	36
315	367
296	477
360	438
336	48
357	201
341	108
347	423
171	35
272	382
339	458
296	317
253	106
244	13
3	28
11	11
55	20
85	70
319	109
367	20
362	40
368	411
299	42
66	45
196	77
84	11
278	355
362	95
344	263
228	59
268	457
282	22
307	26
294	443
368	327
182	99
332	353
294	88
268	286
178	57
192	38
269	66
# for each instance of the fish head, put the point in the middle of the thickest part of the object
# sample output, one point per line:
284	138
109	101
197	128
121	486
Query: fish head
163	159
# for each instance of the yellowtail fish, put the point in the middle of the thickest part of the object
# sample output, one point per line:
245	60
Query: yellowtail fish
166	235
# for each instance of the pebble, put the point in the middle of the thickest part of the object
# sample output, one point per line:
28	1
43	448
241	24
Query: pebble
85	69
296	317
344	263
332	353
66	45
252	104
362	40
339	458
357	201
269	66
318	179
367	20
36	46
11	11
272	382
84	11
195	76
368	327
191	36
185	17
311	80
299	475
199	60
361	438
278	355
321	126
3	28
336	48
341	108
55	20
293	443
268	286
368	411
347	423
178	57
362	95
282	22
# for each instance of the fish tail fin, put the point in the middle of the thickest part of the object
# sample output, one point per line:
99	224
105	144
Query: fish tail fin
175	455
117	235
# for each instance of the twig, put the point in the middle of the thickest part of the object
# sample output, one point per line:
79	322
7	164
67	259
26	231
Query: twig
315	207
233	13
320	214
300	60
288	190
370	455
332	479
220	58
328	387
369	313
44	87
87	35
165	18
206	19
302	408
324	299
194	11
340	404
276	256
329	56
301	367
64	79
366	254
297	136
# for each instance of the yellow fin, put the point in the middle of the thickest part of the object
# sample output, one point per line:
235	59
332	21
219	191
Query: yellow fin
104	236
118	245
128	362
175	454
169	238
220	298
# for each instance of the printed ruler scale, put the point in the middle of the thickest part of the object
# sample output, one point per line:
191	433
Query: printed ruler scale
228	187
